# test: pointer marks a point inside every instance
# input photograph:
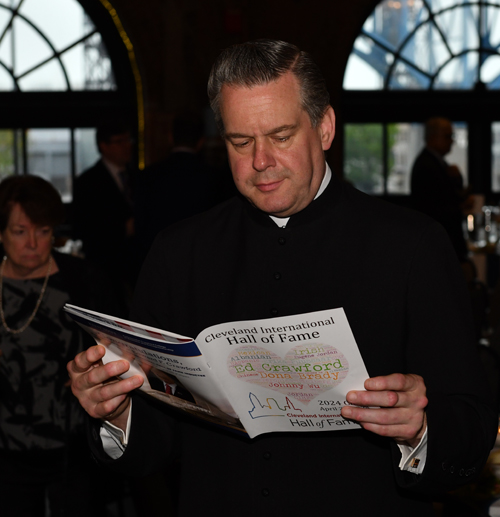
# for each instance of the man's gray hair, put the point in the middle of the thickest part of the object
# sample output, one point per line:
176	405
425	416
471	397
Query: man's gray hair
262	61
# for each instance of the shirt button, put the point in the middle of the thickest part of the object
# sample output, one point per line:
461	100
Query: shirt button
282	240
267	455
277	276
274	312
265	492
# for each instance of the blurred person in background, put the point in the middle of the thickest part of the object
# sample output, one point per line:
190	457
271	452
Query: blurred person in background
103	206
42	451
437	188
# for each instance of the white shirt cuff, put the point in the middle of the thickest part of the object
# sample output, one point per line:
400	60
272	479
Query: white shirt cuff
413	459
114	440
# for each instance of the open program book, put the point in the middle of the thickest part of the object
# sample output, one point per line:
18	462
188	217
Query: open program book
281	374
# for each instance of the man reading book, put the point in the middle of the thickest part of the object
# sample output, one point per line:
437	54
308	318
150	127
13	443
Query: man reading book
298	240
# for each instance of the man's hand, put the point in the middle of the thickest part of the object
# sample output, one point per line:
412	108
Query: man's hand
395	407
97	388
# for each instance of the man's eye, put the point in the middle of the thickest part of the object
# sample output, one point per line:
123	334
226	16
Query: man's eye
282	139
241	144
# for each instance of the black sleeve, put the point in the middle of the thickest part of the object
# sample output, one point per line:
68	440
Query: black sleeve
462	422
151	440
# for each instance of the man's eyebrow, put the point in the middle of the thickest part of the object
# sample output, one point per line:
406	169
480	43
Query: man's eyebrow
235	135
286	127
274	131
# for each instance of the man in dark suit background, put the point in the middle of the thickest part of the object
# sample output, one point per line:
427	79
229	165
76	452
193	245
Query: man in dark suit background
176	188
436	186
102	204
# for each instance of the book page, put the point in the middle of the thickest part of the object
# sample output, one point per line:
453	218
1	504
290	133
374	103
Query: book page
287	374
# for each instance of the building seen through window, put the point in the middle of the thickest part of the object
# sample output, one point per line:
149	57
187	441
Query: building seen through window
418	51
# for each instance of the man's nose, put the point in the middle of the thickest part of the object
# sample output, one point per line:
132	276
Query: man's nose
263	157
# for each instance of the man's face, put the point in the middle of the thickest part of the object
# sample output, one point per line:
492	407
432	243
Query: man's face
276	156
118	149
442	140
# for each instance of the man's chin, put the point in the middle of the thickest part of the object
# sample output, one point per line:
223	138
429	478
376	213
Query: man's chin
275	209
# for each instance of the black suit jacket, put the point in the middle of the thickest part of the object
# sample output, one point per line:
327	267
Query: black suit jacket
435	193
100	211
170	191
396	276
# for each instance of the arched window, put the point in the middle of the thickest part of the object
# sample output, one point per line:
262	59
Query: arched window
415	59
57	81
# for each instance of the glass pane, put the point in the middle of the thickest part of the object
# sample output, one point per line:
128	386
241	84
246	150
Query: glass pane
405	141
6	80
6	49
438	5
49	156
460	73
98	69
359	75
459	150
85	149
48	77
363	157
5	17
74	63
492	25
426	49
7	153
23	48
460	26
490	72
428	43
61	30
495	159
30	48
405	77
393	20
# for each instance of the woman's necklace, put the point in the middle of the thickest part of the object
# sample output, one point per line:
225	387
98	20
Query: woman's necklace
30	319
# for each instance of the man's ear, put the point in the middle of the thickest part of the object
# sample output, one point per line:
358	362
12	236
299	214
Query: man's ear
327	128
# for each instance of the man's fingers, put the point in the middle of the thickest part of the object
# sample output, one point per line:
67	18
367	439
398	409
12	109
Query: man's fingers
105	372
387	399
97	386
117	388
392	405
378	416
110	408
403	425
394	382
392	391
376	398
84	360
96	376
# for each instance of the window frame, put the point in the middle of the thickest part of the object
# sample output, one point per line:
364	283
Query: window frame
478	108
83	108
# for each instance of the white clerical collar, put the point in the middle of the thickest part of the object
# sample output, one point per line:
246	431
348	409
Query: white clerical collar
283	221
